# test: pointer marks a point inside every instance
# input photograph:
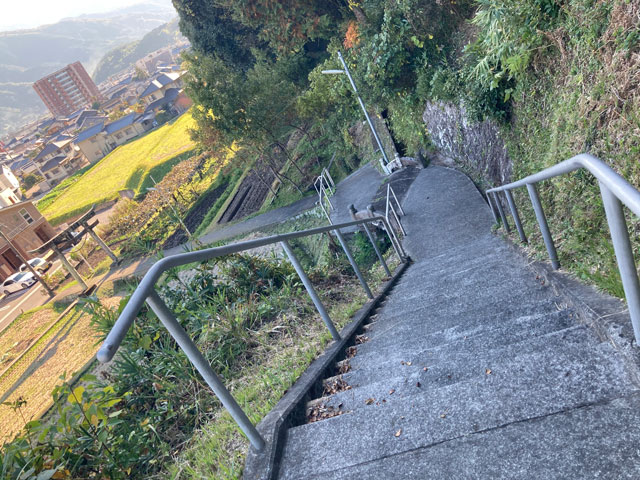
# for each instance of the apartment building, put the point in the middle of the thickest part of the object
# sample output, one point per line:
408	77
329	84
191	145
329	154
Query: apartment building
67	90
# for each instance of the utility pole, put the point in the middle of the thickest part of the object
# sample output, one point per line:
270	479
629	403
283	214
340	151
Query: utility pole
24	260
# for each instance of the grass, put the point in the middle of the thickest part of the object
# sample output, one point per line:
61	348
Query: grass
128	166
219	448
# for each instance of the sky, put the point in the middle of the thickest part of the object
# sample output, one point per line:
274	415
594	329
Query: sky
17	14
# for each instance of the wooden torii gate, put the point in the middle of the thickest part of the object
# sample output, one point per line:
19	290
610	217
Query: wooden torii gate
66	239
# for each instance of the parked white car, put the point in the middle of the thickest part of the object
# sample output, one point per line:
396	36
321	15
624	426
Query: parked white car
17	282
40	265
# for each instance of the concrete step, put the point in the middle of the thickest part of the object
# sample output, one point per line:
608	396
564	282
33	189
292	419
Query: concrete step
496	277
395	348
485	297
430	320
594	442
450	366
537	389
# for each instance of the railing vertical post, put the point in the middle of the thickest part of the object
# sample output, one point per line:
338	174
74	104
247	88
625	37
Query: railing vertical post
377	250
170	322
400	209
493	209
402	230
505	224
544	226
397	246
352	261
624	255
515	216
310	290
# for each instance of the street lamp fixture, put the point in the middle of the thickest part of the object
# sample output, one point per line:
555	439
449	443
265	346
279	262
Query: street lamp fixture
345	70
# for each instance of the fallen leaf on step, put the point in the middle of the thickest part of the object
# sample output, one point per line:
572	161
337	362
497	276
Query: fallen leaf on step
398	433
488	371
369	401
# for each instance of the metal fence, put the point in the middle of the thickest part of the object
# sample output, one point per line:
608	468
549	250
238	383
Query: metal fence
615	192
146	292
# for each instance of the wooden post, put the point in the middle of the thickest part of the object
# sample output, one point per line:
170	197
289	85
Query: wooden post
74	273
100	242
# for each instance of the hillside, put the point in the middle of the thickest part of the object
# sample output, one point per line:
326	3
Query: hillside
27	55
126	55
128	166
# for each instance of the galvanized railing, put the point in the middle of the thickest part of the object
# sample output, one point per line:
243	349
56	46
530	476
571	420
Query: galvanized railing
325	188
615	191
146	292
390	208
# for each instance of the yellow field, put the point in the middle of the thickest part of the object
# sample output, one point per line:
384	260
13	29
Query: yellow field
126	167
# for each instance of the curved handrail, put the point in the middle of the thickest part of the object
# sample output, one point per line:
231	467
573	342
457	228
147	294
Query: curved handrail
146	285
145	292
615	182
615	192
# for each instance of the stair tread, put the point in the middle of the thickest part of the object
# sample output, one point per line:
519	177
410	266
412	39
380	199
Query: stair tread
458	366
459	409
568	444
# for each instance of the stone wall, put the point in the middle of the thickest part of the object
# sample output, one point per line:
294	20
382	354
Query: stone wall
476	145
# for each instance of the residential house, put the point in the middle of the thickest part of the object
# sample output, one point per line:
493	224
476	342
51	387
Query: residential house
158	86
10	192
26	229
92	142
175	102
58	159
122	130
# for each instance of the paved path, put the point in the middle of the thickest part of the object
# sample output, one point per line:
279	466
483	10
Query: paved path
472	368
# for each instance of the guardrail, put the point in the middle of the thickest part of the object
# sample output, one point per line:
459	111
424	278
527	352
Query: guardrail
325	188
615	192
145	292
390	208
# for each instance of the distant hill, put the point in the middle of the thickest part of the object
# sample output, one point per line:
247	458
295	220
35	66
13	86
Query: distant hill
27	55
126	55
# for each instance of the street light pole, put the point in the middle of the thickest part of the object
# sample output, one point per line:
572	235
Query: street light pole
346	71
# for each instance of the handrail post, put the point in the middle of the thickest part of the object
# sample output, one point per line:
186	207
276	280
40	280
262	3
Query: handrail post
402	230
170	322
624	255
493	209
310	290
515	216
377	250
505	224
397	246
544	226
397	202
353	263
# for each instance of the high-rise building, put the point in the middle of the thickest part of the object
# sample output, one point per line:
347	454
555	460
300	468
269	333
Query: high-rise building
67	90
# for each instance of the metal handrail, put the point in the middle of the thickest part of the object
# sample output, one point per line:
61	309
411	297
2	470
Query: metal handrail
615	192
325	187
389	207
146	292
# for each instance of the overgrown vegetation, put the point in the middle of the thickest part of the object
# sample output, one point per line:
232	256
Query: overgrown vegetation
253	321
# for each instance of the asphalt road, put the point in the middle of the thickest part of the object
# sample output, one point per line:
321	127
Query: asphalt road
14	304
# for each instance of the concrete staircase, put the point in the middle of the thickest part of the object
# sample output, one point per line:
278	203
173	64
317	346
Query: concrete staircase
471	368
